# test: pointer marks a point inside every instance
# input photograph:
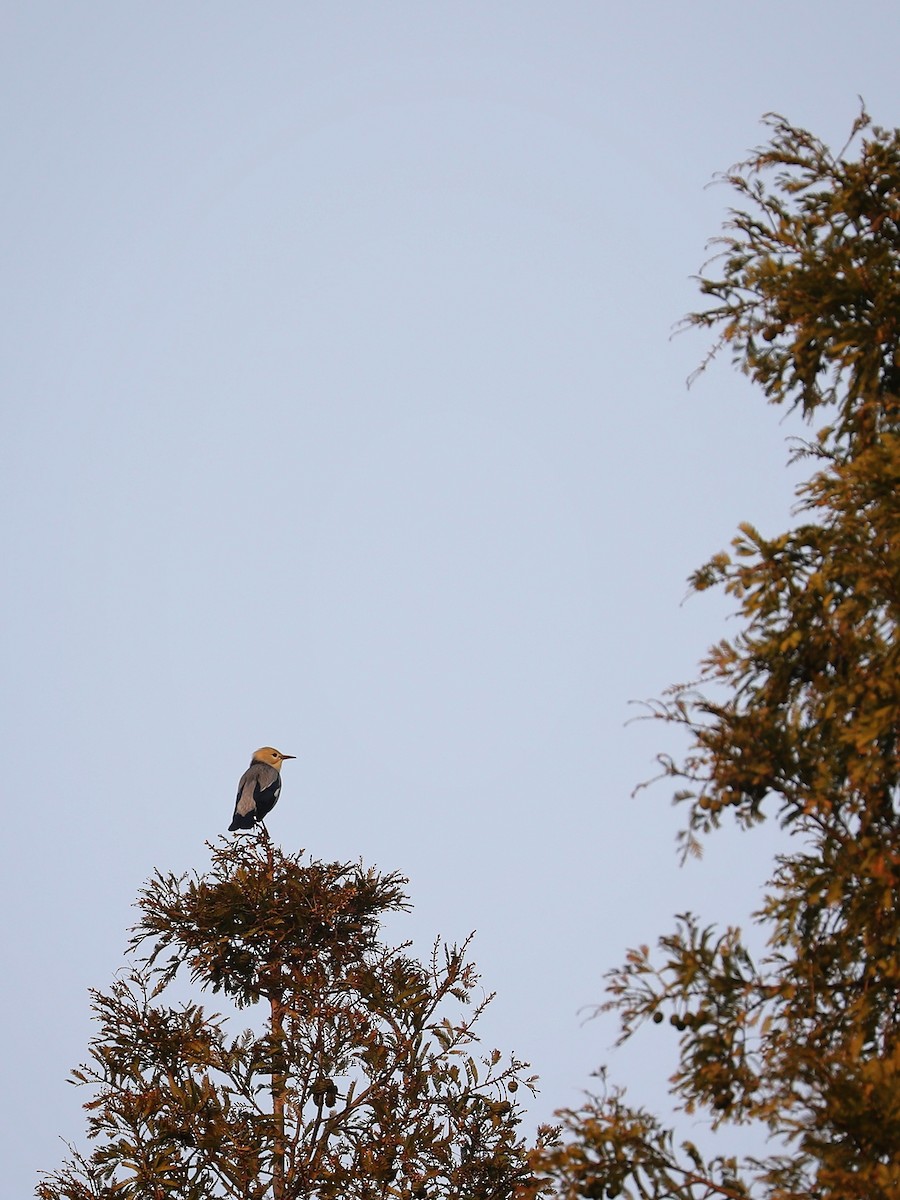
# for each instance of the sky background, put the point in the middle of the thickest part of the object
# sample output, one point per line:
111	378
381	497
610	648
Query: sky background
341	413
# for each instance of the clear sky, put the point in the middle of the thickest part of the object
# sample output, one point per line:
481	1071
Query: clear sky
341	413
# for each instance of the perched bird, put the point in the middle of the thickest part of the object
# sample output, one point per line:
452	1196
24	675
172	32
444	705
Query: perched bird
259	788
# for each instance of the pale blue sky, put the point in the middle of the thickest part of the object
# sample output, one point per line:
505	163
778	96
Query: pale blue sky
340	413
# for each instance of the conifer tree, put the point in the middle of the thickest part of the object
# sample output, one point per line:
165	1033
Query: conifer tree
354	1072
796	718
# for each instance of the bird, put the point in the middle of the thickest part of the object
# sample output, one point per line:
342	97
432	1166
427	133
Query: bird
258	789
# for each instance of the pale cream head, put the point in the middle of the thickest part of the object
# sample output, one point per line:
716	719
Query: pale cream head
271	757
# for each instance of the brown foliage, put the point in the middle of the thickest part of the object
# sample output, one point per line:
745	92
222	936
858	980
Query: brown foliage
358	1079
797	716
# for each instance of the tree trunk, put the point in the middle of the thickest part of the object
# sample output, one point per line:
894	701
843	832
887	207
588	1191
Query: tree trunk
279	1085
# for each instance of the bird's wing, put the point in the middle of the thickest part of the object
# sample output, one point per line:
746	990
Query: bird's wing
266	777
247	790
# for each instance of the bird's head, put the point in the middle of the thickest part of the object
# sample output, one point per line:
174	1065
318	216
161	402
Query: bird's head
271	757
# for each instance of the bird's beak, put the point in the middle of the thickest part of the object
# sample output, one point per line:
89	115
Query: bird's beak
289	756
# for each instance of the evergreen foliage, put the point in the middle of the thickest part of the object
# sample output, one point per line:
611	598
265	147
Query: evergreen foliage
360	1079
798	717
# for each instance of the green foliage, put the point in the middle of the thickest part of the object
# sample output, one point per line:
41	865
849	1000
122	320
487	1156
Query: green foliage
359	1079
797	716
